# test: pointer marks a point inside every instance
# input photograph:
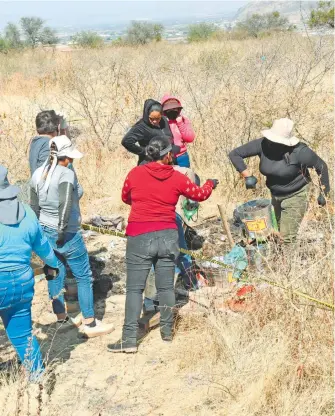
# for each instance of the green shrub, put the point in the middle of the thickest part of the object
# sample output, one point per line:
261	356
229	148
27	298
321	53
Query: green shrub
87	39
13	36
259	24
36	33
141	33
200	32
4	46
323	16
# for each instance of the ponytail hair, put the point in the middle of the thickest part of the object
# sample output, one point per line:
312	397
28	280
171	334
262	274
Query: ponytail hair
49	167
158	147
51	160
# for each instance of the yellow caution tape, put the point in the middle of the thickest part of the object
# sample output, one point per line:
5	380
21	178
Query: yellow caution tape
219	263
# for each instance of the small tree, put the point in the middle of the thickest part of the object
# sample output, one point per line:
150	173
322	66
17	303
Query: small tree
48	37
12	36
260	23
200	32
88	40
36	33
141	33
274	21
323	15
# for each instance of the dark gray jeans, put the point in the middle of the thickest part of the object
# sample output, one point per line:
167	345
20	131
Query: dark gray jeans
160	249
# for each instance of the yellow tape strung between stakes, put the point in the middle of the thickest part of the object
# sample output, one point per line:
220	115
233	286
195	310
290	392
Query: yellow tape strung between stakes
219	263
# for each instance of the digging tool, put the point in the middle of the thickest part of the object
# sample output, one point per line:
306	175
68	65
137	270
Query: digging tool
226	226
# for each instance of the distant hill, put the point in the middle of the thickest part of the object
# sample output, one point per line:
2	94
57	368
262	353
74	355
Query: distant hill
289	9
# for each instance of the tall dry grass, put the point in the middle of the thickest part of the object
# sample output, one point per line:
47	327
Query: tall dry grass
278	360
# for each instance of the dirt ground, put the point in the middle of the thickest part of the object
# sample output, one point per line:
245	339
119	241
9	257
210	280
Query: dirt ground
161	379
92	381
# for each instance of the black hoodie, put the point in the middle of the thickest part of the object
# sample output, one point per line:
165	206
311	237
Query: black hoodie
139	136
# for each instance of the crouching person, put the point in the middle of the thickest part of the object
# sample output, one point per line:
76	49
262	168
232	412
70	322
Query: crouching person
20	234
153	191
55	195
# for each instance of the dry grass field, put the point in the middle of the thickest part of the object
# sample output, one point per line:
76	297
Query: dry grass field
277	360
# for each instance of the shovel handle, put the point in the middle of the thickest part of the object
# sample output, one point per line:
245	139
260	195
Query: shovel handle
226	226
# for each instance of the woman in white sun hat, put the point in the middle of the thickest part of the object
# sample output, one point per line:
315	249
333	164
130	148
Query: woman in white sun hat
285	161
55	195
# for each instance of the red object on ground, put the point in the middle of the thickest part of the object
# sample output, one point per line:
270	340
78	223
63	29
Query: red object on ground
241	302
245	290
202	281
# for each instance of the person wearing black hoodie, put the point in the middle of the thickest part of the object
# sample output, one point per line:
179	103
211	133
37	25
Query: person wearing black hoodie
152	124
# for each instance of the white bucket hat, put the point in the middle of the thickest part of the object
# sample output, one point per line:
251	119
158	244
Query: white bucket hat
281	132
65	147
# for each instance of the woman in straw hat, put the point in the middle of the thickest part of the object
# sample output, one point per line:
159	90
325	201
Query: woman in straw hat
285	161
20	234
55	195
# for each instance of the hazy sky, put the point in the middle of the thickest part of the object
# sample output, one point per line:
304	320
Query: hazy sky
78	12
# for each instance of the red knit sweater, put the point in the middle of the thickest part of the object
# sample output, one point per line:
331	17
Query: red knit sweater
153	191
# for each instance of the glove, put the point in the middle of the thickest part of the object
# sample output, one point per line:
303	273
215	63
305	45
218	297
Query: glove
51	273
215	182
190	205
322	200
61	239
250	182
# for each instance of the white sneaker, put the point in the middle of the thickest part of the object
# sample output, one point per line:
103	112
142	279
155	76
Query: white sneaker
77	320
69	323
97	330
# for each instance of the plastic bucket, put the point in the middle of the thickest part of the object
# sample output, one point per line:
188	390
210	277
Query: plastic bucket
258	218
256	255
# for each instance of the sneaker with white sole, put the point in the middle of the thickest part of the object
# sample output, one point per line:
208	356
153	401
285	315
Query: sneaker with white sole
69	323
97	330
123	346
77	320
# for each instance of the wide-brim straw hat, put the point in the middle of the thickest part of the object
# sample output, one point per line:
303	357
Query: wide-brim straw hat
281	132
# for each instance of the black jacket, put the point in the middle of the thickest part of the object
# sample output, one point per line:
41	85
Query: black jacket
139	136
285	168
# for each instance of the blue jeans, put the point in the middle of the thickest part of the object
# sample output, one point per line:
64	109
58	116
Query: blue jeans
184	261
16	294
74	254
184	160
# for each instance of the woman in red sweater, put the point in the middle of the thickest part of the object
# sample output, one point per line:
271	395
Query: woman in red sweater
153	190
